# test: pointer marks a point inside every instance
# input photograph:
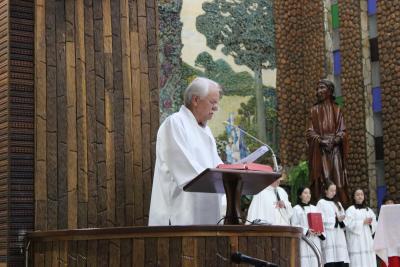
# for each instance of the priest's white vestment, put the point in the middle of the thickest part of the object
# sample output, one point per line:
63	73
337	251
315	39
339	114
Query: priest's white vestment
184	149
334	247
359	237
263	207
299	218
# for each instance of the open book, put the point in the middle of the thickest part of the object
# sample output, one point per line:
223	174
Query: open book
255	155
246	166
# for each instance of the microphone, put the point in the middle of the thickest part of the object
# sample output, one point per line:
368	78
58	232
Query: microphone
276	167
238	258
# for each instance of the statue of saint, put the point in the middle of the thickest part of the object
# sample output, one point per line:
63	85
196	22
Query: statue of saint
328	144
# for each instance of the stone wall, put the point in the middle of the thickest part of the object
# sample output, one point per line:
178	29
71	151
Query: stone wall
300	47
353	91
388	20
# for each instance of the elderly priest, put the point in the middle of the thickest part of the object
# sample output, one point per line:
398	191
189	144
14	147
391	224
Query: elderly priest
186	147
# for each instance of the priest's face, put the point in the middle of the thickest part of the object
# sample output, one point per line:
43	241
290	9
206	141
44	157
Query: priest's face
203	108
359	196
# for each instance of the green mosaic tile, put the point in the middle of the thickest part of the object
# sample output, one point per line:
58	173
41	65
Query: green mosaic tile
335	16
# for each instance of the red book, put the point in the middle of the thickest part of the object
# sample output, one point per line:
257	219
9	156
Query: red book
315	222
246	166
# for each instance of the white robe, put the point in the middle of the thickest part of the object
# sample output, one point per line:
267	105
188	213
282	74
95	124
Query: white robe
263	207
359	237
184	149
334	247
299	218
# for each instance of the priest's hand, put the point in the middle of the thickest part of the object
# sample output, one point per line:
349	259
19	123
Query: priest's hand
280	204
368	221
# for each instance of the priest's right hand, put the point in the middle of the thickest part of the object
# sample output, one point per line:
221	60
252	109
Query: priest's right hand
368	221
280	204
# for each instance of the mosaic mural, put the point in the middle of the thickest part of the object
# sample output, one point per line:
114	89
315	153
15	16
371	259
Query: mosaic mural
232	43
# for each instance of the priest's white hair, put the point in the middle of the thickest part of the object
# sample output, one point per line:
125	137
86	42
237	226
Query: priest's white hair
198	87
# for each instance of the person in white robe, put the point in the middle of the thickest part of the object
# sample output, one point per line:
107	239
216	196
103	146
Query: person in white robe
299	218
334	247
360	226
270	206
185	148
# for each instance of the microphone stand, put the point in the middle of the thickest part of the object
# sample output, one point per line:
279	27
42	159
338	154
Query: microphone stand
276	167
239	258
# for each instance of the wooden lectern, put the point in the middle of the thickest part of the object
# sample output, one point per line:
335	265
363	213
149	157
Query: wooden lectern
234	183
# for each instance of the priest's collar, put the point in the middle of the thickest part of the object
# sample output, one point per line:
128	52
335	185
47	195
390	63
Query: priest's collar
190	114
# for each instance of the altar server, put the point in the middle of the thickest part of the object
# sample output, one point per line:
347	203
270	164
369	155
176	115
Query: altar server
334	247
270	206
360	226
299	218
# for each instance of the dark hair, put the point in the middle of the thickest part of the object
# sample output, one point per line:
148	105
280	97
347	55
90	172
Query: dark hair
326	187
353	194
387	198
327	184
299	192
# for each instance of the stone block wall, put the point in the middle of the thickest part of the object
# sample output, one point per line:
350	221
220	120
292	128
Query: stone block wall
388	22
300	52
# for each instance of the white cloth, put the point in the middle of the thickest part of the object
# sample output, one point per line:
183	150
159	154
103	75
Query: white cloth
299	218
387	236
359	237
263	207
184	149
334	247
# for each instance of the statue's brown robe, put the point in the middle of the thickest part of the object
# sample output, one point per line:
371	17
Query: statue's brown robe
326	120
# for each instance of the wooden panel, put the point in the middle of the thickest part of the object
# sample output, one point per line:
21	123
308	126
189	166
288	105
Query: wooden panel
128	112
21	121
137	118
91	114
4	136
109	113
62	154
81	105
99	107
70	82
118	114
40	113
51	115
96	112
175	246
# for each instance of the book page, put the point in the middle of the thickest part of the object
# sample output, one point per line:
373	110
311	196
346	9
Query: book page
255	155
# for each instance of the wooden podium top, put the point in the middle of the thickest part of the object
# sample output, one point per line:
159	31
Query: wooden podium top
211	180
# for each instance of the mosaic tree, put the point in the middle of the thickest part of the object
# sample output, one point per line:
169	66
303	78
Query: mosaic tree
241	84
245	30
170	47
234	83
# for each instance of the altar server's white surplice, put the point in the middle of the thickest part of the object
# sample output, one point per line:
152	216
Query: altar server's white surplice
334	247
263	207
299	218
359	237
184	149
